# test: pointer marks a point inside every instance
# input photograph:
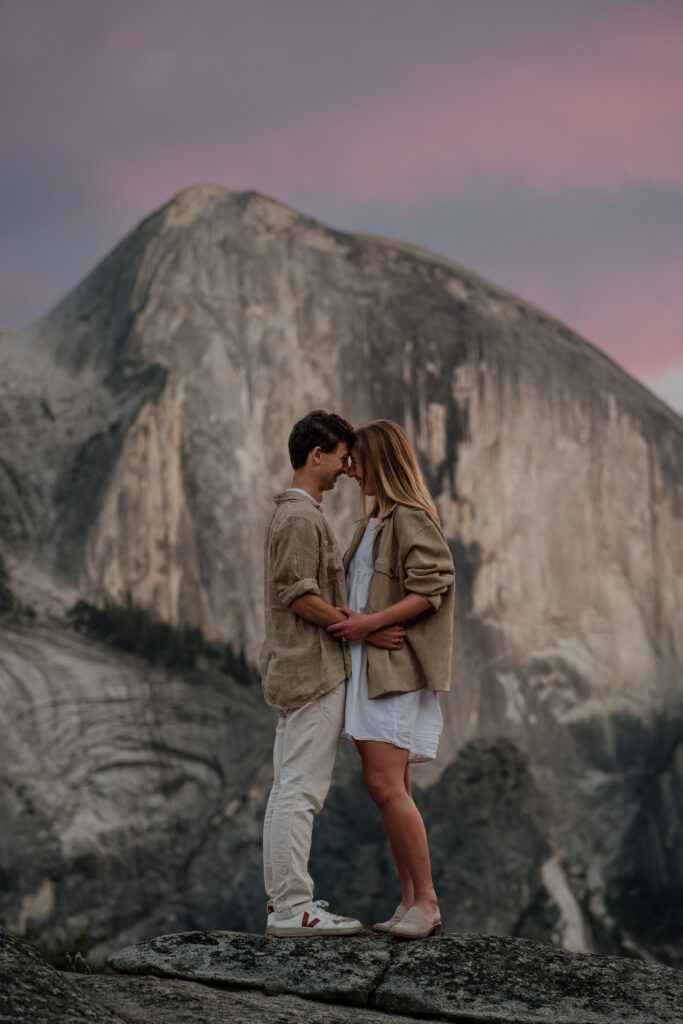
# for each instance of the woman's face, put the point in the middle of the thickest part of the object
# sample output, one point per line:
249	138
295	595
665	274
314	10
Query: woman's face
356	473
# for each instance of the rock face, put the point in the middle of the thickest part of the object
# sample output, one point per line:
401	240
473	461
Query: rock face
131	797
32	992
143	427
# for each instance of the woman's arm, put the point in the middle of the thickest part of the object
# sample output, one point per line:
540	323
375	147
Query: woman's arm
428	567
315	609
390	638
357	626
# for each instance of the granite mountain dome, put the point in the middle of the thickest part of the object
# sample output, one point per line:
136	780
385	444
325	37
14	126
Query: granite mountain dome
143	427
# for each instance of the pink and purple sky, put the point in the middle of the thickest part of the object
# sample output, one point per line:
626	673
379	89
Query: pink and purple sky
539	142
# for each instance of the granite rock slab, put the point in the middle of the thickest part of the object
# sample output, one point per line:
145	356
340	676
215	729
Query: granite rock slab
463	978
146	1000
502	980
334	969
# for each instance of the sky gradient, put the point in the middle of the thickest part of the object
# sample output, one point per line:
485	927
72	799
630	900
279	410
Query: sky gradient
539	142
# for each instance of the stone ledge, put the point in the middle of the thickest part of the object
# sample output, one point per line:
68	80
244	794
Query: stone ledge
148	1000
332	969
463	978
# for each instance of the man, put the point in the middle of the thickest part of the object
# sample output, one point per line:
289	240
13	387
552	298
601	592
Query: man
304	670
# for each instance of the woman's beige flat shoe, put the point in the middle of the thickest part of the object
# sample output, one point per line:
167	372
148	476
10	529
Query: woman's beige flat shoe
398	915
416	925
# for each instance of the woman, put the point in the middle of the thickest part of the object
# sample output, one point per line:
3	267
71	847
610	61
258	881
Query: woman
399	570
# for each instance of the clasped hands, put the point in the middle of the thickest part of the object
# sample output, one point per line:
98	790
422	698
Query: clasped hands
360	627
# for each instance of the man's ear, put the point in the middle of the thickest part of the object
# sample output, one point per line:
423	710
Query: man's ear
316	453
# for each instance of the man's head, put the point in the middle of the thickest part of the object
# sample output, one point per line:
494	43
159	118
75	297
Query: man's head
320	443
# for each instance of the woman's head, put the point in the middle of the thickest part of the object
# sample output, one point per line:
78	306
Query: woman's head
385	464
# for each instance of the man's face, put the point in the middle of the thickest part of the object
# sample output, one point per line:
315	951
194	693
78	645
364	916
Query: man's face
333	465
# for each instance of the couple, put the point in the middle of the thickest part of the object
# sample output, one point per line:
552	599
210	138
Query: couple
388	634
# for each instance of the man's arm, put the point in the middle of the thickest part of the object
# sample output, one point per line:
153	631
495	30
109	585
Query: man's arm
316	609
295	553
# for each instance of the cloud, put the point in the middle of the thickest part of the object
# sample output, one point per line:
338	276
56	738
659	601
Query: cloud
602	112
305	101
637	319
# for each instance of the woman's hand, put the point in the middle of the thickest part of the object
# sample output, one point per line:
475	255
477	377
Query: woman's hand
355	627
390	638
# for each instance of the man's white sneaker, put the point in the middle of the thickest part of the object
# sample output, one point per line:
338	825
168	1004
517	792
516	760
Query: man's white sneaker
314	920
270	911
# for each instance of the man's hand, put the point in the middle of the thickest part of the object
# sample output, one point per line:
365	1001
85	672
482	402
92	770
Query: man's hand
355	627
363	627
390	638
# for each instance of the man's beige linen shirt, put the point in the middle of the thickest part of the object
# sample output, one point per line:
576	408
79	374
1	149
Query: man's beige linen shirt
299	660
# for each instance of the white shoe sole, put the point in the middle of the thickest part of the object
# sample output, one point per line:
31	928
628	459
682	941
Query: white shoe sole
296	931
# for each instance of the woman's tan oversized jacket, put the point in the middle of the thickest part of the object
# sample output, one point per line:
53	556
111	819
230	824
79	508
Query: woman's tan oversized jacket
411	556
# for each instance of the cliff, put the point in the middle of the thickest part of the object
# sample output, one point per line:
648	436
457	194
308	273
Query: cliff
143	427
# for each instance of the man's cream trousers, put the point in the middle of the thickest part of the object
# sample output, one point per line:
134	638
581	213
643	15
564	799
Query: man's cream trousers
306	743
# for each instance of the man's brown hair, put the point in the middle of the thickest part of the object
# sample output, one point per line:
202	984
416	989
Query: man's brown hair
322	428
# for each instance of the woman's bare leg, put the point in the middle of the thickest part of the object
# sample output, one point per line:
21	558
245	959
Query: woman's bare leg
387	780
407	891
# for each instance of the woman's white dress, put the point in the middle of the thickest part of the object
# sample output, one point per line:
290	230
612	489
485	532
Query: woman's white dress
408	720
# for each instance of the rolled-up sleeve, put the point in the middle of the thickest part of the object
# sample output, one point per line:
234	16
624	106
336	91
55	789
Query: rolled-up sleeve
296	559
428	566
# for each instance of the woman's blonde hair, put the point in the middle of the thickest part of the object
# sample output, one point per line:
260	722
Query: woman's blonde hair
398	477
